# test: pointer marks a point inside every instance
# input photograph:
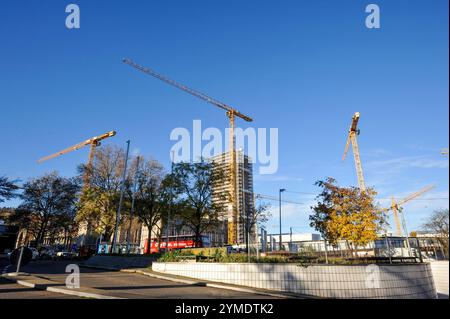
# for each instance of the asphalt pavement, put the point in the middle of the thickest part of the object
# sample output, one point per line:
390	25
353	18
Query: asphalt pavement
128	285
9	290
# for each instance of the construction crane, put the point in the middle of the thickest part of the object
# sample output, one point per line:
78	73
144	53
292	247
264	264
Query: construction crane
396	208
94	142
353	132
231	114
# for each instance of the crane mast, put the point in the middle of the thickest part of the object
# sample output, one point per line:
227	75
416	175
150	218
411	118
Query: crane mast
231	114
353	132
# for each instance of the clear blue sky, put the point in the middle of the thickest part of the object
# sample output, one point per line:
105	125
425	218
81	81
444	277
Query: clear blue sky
303	67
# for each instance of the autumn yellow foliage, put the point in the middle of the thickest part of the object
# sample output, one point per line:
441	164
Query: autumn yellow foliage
346	213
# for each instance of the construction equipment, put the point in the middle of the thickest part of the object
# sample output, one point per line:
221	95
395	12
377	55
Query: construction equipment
396	208
352	139
231	114
94	142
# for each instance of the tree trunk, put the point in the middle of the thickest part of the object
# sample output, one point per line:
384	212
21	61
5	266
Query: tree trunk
149	240
197	237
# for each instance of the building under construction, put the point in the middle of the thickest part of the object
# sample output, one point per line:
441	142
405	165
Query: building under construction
244	192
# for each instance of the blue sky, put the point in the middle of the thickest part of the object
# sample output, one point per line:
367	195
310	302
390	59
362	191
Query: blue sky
303	67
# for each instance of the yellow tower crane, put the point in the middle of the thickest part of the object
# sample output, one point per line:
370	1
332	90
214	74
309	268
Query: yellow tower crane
231	114
94	142
353	132
396	208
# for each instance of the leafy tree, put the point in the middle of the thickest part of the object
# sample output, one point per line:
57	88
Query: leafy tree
8	189
100	198
346	214
152	195
438	223
46	201
194	182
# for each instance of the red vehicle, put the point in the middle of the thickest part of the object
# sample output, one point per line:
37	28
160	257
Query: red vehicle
179	242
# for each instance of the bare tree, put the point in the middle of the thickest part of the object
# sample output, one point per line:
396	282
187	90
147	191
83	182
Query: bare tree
46	202
100	199
8	189
438	223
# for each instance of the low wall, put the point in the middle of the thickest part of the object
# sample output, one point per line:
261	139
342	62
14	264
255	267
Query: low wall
327	281
117	262
440	275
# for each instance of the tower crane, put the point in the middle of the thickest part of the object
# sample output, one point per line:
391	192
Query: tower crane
231	114
353	132
94	142
396	208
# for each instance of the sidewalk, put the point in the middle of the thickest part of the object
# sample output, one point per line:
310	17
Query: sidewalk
38	283
138	283
190	281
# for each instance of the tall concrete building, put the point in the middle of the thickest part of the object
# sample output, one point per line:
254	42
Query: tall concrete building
244	187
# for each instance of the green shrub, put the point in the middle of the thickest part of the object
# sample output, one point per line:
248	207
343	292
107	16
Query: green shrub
175	255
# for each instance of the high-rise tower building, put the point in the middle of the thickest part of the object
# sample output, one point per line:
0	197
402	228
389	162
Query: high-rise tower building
244	187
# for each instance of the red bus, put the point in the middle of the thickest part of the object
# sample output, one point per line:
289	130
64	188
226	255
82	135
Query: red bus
176	242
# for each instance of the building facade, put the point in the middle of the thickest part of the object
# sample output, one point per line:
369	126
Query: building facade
245	195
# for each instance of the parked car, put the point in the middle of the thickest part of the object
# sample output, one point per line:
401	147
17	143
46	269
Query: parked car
35	253
47	253
66	255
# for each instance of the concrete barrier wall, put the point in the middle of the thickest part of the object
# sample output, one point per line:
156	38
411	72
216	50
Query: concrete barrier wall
117	262
440	275
328	281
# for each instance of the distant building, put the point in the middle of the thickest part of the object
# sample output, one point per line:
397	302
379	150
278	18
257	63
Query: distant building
8	233
290	241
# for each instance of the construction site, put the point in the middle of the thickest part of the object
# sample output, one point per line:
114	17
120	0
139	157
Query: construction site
235	194
139	169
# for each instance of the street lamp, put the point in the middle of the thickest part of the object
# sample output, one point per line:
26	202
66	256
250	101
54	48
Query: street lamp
281	191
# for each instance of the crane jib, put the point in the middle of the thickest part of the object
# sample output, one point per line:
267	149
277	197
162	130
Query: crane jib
188	90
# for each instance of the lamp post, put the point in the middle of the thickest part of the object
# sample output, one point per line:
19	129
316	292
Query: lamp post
172	159
280	240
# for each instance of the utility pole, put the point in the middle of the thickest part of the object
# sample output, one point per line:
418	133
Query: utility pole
122	190
290	238
280	239
133	199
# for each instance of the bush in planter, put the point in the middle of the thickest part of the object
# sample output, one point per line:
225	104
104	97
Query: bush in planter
175	256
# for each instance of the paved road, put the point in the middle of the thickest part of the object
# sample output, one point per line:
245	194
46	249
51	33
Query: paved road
126	285
9	290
